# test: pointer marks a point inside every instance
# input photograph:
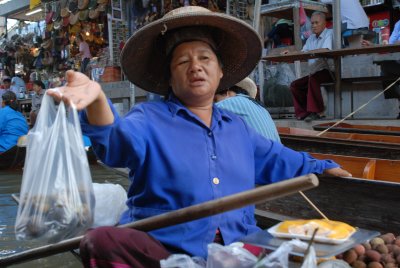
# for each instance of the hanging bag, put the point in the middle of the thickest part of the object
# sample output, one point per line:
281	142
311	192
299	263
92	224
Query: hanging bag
56	198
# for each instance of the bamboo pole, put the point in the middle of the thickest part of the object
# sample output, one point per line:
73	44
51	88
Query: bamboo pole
213	207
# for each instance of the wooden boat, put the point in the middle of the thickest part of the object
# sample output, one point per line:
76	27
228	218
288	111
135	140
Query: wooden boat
363	145
368	204
367	168
365	129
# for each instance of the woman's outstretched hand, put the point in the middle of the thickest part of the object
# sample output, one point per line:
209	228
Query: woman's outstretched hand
79	90
84	93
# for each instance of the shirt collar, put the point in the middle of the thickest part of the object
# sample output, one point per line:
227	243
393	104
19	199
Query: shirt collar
322	35
175	106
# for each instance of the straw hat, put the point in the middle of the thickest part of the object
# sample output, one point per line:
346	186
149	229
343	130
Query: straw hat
83	14
144	61
248	85
94	14
73	18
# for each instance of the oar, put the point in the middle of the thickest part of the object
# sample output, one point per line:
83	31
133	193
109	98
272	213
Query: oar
254	196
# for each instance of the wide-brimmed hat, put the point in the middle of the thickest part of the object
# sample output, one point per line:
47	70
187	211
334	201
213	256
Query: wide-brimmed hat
144	59
248	85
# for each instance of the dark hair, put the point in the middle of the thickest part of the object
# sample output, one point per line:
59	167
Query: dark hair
39	83
10	99
7	80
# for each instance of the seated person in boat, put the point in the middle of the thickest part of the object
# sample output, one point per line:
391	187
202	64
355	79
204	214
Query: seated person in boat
240	99
183	150
12	123
39	88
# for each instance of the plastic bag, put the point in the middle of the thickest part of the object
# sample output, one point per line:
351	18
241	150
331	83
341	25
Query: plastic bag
280	257
229	256
276	86
110	203
183	261
305	30
56	198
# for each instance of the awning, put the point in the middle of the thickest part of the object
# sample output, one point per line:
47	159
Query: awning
17	9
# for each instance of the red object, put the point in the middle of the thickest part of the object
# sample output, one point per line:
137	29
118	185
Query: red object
380	23
302	15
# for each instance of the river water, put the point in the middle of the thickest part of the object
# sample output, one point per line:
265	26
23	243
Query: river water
10	182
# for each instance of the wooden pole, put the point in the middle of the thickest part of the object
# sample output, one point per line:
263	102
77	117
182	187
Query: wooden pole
213	207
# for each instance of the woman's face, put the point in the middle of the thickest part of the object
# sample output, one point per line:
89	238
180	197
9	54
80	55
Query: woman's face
195	72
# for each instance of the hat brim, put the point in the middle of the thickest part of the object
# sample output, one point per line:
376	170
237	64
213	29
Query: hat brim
144	63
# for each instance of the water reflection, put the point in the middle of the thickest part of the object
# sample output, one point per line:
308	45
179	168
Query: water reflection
10	184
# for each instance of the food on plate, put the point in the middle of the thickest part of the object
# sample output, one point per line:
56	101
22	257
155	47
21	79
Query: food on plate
326	228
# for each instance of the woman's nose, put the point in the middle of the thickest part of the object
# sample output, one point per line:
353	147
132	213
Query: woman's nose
195	65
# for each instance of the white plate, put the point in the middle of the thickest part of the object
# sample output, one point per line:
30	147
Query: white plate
273	231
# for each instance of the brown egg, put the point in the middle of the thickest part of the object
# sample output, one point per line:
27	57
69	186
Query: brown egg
373	255
350	256
359	264
382	248
397	241
388	238
360	249
376	241
391	265
374	264
387	258
396	250
367	245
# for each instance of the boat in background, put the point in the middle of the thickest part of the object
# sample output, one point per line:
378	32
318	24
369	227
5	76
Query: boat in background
354	144
365	129
366	168
363	203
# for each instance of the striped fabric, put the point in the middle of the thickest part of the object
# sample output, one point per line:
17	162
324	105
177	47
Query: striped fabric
254	114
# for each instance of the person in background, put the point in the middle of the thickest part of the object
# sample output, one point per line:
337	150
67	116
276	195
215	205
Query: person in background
239	99
395	36
5	87
391	68
12	123
183	150
306	91
353	17
282	30
84	53
39	89
18	85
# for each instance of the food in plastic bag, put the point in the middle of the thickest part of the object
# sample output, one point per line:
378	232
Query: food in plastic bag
110	203
56	198
229	256
183	261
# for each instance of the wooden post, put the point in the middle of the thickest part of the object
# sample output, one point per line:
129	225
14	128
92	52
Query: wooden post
213	207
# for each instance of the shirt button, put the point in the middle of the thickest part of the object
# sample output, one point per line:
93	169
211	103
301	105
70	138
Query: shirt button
213	157
216	181
210	133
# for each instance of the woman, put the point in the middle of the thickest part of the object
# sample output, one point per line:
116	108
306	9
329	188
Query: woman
188	55
39	89
12	123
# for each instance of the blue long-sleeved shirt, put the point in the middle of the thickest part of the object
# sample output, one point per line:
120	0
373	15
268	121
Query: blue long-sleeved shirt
177	161
12	126
395	36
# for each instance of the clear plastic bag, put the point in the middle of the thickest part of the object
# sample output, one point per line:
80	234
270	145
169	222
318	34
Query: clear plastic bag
229	256
183	261
110	203
280	257
56	198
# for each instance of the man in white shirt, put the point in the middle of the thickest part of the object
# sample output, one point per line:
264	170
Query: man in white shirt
306	91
